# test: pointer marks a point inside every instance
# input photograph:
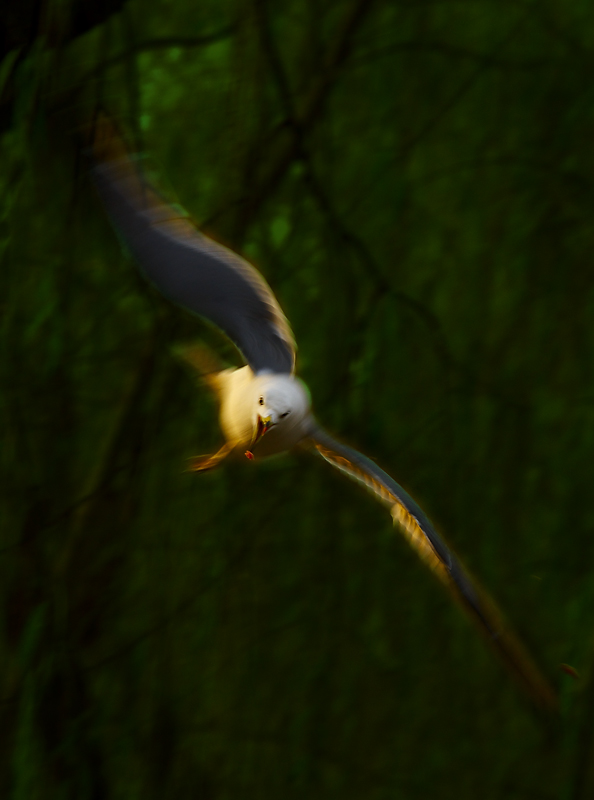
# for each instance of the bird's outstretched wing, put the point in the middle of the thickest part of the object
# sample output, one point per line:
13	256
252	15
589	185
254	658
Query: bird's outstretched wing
434	552
187	267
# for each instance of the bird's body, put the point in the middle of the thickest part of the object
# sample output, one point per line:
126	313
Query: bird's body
264	407
285	403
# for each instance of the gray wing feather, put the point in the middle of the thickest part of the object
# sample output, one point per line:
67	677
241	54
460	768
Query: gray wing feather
194	271
433	550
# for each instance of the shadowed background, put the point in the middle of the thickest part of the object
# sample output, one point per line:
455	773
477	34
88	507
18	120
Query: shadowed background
415	183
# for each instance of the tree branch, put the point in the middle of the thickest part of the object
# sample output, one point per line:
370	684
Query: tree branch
278	151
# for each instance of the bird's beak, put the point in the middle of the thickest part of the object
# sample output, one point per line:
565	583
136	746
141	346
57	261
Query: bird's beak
262	425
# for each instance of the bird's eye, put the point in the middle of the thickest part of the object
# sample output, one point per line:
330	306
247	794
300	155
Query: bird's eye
286	414
261	401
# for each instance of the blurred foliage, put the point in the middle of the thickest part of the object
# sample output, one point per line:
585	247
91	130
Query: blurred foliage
415	180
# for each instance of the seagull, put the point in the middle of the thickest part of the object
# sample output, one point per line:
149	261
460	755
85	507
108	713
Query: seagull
264	408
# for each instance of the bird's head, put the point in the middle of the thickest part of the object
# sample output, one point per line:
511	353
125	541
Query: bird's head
281	403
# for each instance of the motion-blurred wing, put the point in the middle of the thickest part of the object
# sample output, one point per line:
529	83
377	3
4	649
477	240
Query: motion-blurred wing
186	266
424	539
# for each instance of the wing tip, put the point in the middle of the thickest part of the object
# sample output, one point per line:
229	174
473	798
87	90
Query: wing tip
505	643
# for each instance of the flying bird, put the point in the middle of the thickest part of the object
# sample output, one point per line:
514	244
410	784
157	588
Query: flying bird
264	408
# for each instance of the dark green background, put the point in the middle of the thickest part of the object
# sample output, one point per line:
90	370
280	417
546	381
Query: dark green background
415	181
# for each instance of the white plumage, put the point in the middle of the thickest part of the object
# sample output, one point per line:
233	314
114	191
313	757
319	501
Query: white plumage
247	399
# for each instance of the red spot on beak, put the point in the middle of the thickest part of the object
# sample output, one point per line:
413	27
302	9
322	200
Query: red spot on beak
249	454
